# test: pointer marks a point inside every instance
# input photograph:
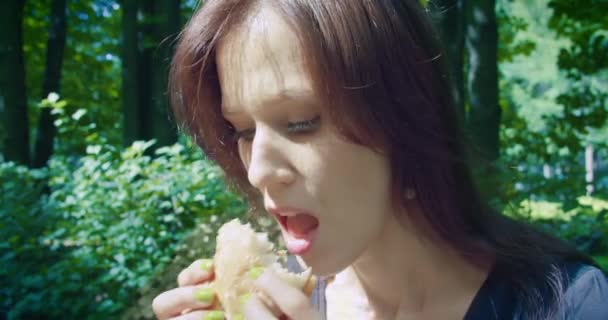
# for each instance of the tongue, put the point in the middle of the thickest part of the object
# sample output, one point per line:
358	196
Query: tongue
300	225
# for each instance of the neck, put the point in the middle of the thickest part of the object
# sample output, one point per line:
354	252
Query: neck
403	273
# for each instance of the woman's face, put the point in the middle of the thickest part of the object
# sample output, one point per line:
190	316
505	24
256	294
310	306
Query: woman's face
293	154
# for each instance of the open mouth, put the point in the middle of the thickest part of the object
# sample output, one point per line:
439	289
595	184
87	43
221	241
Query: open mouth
298	231
300	225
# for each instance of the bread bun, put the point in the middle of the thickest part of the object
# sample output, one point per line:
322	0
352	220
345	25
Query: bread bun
240	253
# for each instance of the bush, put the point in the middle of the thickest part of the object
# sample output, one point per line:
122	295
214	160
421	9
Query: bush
586	226
22	220
110	220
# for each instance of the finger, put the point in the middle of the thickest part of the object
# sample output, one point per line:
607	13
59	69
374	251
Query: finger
171	303
268	303
255	309
293	302
198	272
201	315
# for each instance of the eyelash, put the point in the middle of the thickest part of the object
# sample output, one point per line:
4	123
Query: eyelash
299	127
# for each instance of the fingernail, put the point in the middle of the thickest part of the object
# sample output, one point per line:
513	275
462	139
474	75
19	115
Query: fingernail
204	295
206	264
238	317
255	272
243	299
214	315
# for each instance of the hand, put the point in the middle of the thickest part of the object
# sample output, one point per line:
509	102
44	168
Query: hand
278	300
193	299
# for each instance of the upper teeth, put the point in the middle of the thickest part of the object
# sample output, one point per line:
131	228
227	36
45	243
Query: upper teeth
288	214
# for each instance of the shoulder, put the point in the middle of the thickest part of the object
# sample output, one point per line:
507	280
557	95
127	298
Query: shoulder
581	291
586	294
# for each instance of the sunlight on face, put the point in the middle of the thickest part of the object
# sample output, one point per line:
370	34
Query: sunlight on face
292	154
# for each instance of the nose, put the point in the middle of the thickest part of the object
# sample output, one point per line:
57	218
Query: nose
269	167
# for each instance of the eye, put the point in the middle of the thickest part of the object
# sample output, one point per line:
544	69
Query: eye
298	127
304	126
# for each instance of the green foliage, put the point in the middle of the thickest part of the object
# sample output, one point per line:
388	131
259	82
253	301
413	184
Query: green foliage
35	30
91	73
513	40
585	24
554	103
21	222
586	225
85	236
111	220
602	261
552	107
75	127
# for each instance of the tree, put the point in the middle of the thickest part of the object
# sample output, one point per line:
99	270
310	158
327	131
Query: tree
483	118
469	34
585	63
145	70
52	81
553	95
132	126
162	126
90	73
13	101
450	22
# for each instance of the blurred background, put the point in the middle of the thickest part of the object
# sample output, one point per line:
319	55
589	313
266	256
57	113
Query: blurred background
102	202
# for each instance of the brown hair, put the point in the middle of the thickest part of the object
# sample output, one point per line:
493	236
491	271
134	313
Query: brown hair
377	64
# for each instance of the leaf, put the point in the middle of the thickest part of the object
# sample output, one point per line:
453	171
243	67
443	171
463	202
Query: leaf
53	97
78	114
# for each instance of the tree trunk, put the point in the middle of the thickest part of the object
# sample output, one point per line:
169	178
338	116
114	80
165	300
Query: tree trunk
13	99
483	118
132	129
162	126
161	19
147	45
52	81
449	19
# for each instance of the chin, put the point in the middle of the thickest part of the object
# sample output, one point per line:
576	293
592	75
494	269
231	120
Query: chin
324	265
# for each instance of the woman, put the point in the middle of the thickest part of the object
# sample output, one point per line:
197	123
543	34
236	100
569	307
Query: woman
336	118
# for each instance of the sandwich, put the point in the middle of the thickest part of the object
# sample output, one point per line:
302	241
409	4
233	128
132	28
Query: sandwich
241	255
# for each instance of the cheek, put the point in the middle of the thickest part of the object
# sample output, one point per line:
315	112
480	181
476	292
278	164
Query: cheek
313	167
354	177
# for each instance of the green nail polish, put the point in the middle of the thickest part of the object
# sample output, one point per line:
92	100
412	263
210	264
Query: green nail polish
204	295
206	264
238	317
255	272
214	315
244	298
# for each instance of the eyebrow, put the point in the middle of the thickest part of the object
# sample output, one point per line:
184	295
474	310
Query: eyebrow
284	96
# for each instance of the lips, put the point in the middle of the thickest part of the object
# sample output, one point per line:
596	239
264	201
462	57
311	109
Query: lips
287	211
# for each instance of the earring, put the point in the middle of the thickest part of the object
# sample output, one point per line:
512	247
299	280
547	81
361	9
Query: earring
410	194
